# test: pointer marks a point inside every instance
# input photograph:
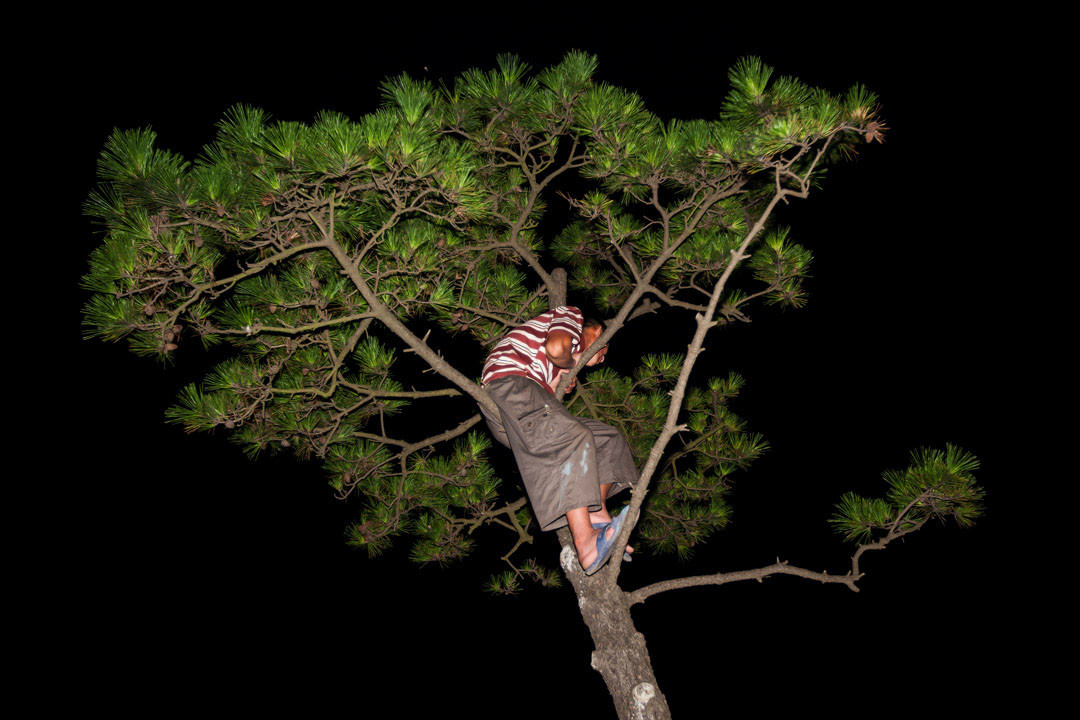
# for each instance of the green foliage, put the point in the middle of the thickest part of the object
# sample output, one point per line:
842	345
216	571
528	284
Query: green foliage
857	517
372	357
487	305
781	266
936	484
509	582
504	583
765	124
287	244
687	503
547	577
690	502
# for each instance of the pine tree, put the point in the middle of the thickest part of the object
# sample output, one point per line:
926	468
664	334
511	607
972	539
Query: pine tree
313	252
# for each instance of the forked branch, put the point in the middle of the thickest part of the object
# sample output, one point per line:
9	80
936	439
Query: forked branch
896	530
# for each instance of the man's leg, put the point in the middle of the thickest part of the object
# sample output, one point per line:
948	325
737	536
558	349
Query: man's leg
554	451
557	456
602	515
616	466
495	424
615	463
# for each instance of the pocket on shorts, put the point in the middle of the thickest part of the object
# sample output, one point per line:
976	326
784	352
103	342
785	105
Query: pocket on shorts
537	428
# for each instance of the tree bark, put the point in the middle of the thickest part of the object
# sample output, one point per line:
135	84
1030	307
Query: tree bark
557	288
620	655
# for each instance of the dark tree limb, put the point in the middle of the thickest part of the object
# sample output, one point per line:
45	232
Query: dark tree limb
704	324
391	320
783	568
759	574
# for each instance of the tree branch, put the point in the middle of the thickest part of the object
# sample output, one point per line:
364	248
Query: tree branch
759	574
257	329
782	568
233	279
704	324
448	435
390	319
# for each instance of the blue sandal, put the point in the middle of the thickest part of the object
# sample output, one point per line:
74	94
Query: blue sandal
604	546
625	556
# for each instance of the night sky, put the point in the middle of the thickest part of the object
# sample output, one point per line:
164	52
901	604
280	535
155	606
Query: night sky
203	570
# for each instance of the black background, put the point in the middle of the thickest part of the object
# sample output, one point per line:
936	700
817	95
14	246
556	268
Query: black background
202	575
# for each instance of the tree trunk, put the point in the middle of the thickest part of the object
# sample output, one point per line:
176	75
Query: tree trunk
557	288
621	655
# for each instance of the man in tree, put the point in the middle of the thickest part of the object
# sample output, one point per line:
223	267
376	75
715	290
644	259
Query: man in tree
569	465
305	247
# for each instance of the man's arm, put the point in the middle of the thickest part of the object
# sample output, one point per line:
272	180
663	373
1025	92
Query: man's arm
559	346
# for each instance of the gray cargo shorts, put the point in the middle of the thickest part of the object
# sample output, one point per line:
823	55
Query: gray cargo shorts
563	459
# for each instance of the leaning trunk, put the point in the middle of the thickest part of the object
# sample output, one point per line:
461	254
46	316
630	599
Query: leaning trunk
621	656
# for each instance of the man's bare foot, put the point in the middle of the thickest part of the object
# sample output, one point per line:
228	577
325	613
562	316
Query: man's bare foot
586	549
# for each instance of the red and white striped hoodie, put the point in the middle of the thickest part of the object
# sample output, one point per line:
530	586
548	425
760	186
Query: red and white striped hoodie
522	351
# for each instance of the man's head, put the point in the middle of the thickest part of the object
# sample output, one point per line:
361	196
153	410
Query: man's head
591	330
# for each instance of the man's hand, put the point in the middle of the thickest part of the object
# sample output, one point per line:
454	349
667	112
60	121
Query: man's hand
558	379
